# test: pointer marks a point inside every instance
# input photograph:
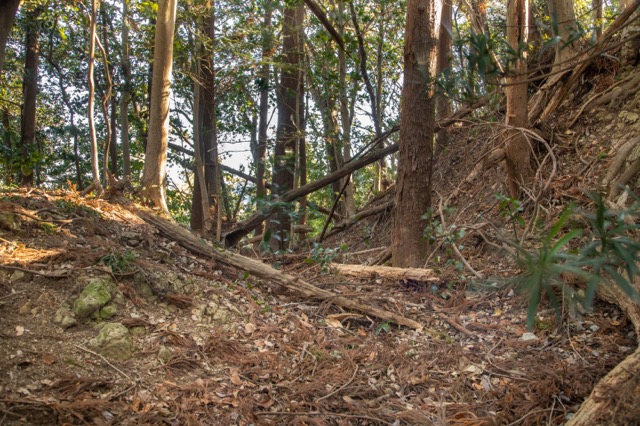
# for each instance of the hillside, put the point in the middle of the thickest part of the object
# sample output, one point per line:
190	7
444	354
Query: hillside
105	320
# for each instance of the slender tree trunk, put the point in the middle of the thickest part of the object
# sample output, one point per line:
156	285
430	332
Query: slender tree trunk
6	139
518	151
263	114
95	169
30	92
8	10
597	18
443	106
76	152
213	174
113	145
126	93
563	19
155	162
345	116
417	123
289	125
375	114
200	220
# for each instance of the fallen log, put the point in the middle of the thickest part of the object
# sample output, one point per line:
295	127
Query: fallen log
260	270
389	272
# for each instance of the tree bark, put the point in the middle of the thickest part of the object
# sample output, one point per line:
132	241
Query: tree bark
8	10
200	219
417	126
563	19
95	168
596	5
155	162
260	158
518	150
443	106
373	272
346	117
289	123
126	93
30	93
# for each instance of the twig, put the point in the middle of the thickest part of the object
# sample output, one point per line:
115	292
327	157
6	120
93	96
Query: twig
13	294
341	387
333	208
61	274
104	359
315	413
455	247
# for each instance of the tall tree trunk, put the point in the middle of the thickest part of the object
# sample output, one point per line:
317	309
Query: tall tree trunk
213	174
346	117
563	19
126	93
443	106
30	92
155	162
200	216
113	144
518	151
596	5
263	115
417	122
289	125
375	114
8	10
95	169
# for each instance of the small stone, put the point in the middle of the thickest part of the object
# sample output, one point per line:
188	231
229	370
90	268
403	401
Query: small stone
164	354
594	328
25	308
108	311
528	337
64	317
17	276
138	330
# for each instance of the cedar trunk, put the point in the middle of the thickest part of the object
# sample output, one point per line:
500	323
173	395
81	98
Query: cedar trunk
8	10
155	162
564	19
518	151
444	54
126	93
30	92
289	123
417	123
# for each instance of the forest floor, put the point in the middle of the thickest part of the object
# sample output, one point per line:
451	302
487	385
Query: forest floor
198	342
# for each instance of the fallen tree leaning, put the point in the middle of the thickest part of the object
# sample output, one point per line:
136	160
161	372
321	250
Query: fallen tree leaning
263	271
389	272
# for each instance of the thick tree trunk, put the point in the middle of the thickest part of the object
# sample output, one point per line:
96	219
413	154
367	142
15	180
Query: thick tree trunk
8	10
155	162
289	125
563	18
417	125
518	150
30	93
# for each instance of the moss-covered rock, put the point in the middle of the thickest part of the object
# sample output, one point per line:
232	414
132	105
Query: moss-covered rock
95	295
64	317
108	311
114	342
